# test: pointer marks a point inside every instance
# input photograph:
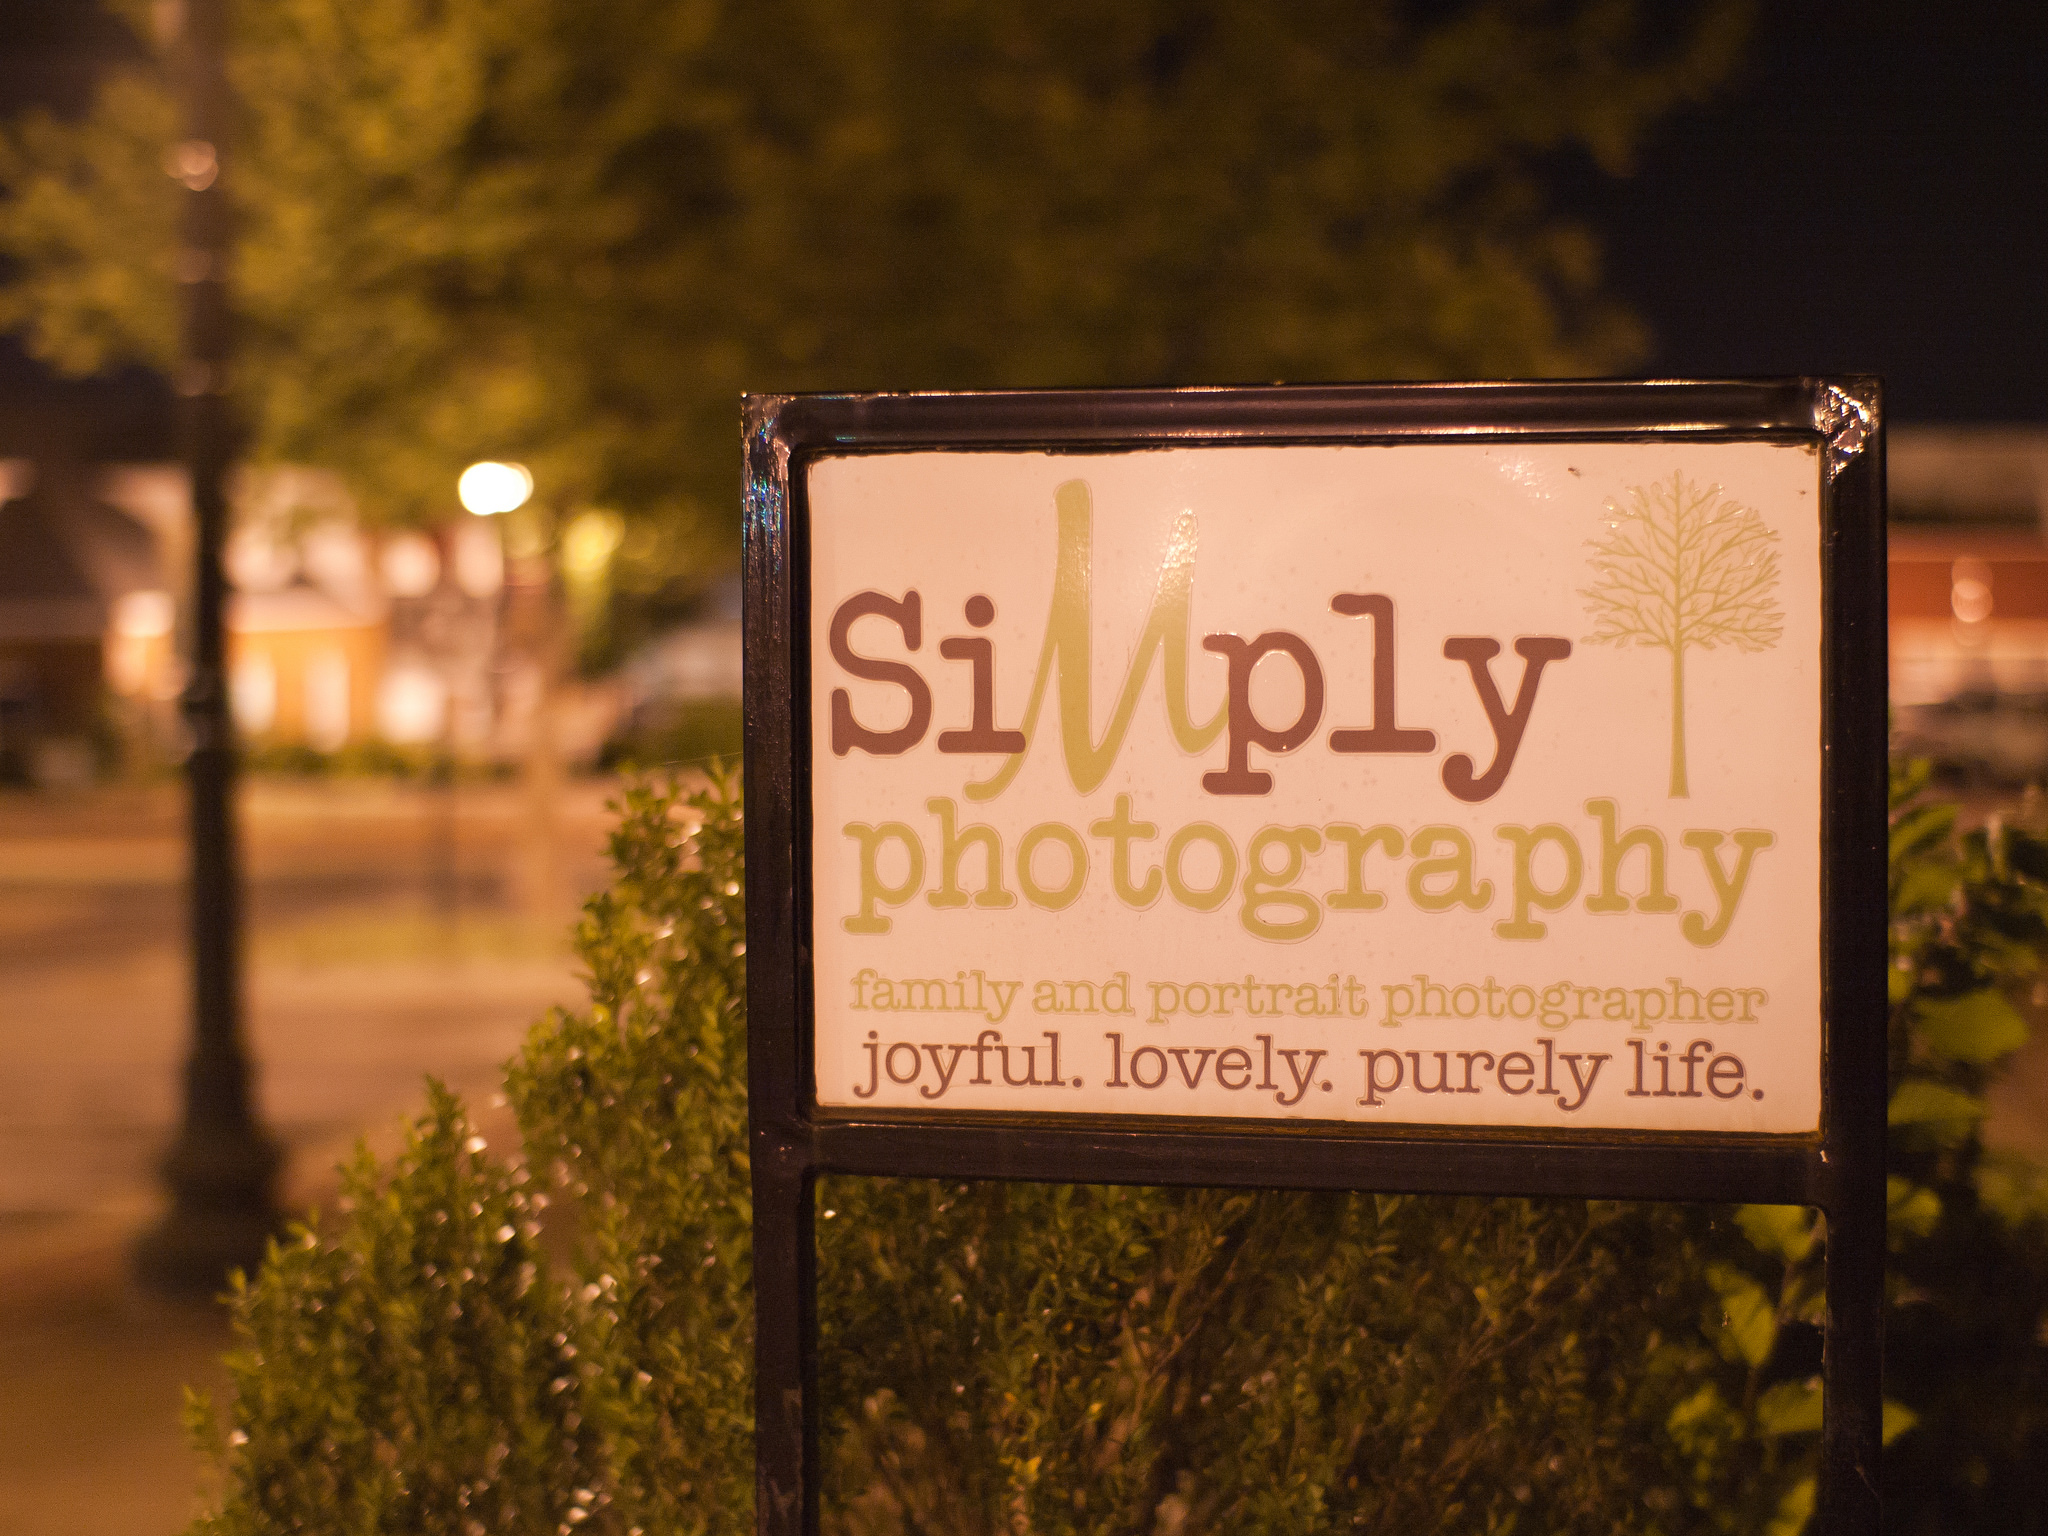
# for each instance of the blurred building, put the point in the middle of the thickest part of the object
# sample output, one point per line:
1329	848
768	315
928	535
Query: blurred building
338	635
1969	598
87	664
307	619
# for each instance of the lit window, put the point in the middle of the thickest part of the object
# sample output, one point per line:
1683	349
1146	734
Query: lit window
327	700
252	693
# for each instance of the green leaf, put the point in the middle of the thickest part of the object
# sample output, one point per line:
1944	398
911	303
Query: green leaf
1977	1027
1909	775
2014	1188
1749	1320
1920	828
1910	1208
1925	888
1783	1230
1696	1410
1919	1102
1790	1408
1898	1418
1898	983
1794	1511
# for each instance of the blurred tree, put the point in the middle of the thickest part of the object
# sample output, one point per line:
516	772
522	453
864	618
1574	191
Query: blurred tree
573	234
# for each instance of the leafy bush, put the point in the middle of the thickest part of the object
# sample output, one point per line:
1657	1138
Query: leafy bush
366	759
1073	1358
1966	1326
1079	1359
410	1370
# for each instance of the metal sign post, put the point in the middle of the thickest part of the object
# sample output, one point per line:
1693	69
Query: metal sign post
1459	789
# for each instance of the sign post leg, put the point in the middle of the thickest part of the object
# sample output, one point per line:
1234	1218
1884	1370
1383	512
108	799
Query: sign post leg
1852	1401
785	1344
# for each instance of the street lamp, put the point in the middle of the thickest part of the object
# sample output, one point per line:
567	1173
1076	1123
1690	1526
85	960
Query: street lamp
489	488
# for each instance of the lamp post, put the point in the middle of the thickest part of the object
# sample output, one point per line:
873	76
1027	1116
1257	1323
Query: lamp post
459	639
222	1168
492	489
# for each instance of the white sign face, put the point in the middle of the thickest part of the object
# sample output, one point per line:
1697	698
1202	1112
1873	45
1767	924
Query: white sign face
1471	783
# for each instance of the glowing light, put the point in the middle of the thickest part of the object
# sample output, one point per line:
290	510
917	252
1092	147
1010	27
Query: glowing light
489	488
258	562
1969	593
335	556
252	693
194	162
479	560
137	649
143	615
326	700
411	565
412	703
589	543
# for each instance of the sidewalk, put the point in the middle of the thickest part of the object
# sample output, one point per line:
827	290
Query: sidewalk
371	963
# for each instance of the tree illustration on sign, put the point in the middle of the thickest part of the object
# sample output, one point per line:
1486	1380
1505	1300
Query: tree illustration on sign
1683	567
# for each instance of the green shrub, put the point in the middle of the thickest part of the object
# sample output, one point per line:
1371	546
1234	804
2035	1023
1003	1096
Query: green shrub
412	1370
1074	1358
1966	1326
372	759
1078	1359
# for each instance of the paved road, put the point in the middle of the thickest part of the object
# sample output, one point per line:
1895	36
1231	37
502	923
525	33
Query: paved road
391	935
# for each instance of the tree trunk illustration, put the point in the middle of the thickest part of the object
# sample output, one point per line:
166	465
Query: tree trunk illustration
1679	791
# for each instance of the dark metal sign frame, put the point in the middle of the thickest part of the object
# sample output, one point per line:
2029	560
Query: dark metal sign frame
1840	1170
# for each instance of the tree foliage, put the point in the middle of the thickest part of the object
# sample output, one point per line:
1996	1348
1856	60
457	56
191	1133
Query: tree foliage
573	234
1070	1359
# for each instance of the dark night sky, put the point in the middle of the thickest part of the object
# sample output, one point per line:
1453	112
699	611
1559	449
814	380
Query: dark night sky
1867	195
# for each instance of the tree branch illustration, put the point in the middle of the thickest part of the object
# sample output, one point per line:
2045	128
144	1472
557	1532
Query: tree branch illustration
1683	567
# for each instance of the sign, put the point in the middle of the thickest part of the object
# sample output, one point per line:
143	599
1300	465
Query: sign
1469	783
1471	789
